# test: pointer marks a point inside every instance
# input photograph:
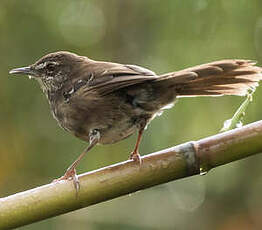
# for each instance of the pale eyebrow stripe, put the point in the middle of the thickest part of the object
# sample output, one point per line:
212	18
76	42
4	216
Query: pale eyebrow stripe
43	65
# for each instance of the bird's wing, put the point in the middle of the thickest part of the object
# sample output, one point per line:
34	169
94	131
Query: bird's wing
110	77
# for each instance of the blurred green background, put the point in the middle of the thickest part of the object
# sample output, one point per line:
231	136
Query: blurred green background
163	36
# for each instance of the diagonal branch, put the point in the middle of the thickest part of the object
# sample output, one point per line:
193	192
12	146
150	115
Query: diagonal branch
184	160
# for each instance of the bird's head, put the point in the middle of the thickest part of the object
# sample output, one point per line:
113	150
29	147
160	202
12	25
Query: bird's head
52	70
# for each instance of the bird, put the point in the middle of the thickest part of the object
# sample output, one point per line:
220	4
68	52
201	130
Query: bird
104	102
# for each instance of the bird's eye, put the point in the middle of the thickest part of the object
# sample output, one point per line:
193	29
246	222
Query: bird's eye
50	67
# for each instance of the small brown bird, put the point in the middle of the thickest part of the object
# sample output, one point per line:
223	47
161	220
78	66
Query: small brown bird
104	102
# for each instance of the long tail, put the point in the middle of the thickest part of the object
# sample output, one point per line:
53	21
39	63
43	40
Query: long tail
226	77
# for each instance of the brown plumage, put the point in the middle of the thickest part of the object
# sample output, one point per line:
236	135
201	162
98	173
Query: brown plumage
227	77
104	102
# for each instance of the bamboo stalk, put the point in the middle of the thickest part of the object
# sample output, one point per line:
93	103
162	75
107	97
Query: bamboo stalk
184	160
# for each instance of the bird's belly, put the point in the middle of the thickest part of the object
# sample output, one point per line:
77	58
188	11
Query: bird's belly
113	127
110	132
117	132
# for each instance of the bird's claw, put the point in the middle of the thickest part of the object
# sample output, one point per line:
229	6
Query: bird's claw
70	174
135	156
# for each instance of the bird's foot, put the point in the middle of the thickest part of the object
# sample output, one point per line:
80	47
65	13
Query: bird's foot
135	156
70	174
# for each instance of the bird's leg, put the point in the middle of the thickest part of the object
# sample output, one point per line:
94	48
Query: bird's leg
70	173
135	154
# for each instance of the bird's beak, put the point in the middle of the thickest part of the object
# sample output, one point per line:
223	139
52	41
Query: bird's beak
23	70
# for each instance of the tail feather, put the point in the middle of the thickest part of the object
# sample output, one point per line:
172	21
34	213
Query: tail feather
226	77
